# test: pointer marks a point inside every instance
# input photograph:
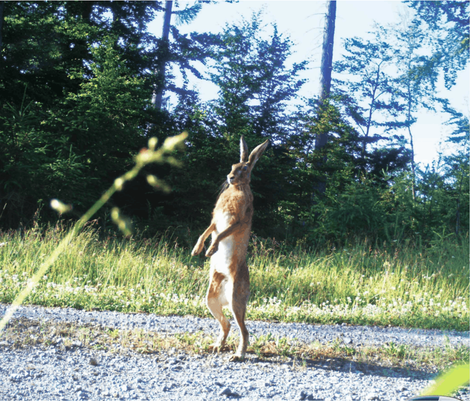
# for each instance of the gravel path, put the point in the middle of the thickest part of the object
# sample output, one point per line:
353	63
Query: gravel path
52	373
357	335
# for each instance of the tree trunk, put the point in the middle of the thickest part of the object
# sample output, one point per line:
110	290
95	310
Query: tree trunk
457	215
325	74
327	50
163	53
326	64
2	6
371	111
413	170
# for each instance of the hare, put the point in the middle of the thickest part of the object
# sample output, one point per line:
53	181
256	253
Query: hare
230	227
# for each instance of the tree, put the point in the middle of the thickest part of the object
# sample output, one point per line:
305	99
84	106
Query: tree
44	42
181	51
366	91
457	167
447	26
57	121
461	133
414	91
255	81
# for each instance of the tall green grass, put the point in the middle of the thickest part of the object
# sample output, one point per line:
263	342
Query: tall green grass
406	285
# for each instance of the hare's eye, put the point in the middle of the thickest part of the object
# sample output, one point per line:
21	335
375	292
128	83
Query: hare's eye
244	168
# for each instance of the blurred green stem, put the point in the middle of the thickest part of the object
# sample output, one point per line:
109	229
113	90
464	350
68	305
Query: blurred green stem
146	156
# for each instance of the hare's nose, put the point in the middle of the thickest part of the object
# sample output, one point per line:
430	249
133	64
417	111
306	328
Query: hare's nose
230	178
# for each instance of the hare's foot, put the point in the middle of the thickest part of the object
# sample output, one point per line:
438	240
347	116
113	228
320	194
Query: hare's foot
219	344
241	351
237	358
213	249
216	347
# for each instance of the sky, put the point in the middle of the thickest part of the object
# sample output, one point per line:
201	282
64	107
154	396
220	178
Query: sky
303	22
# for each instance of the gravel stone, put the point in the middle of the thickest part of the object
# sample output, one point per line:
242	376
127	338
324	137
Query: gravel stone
57	372
226	391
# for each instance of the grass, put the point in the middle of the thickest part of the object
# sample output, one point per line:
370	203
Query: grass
406	285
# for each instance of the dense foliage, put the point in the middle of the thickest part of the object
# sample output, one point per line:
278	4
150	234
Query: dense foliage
76	86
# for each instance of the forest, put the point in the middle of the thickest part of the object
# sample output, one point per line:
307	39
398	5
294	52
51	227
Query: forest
85	85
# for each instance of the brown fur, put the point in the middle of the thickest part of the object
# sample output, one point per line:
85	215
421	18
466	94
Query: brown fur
230	229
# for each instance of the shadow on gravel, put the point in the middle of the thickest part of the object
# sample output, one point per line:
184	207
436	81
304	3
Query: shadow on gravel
347	366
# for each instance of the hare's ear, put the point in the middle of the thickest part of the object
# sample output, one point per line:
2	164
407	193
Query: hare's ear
257	152
243	150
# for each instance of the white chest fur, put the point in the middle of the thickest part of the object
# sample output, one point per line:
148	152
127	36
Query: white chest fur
222	220
221	260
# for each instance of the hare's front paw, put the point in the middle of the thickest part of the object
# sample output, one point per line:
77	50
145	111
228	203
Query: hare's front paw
197	248
213	249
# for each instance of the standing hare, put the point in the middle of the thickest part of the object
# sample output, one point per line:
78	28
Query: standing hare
230	228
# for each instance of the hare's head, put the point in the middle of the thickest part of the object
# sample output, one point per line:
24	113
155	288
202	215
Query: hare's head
241	172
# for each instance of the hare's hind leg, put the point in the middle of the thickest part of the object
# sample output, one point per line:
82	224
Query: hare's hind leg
215	301
238	302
